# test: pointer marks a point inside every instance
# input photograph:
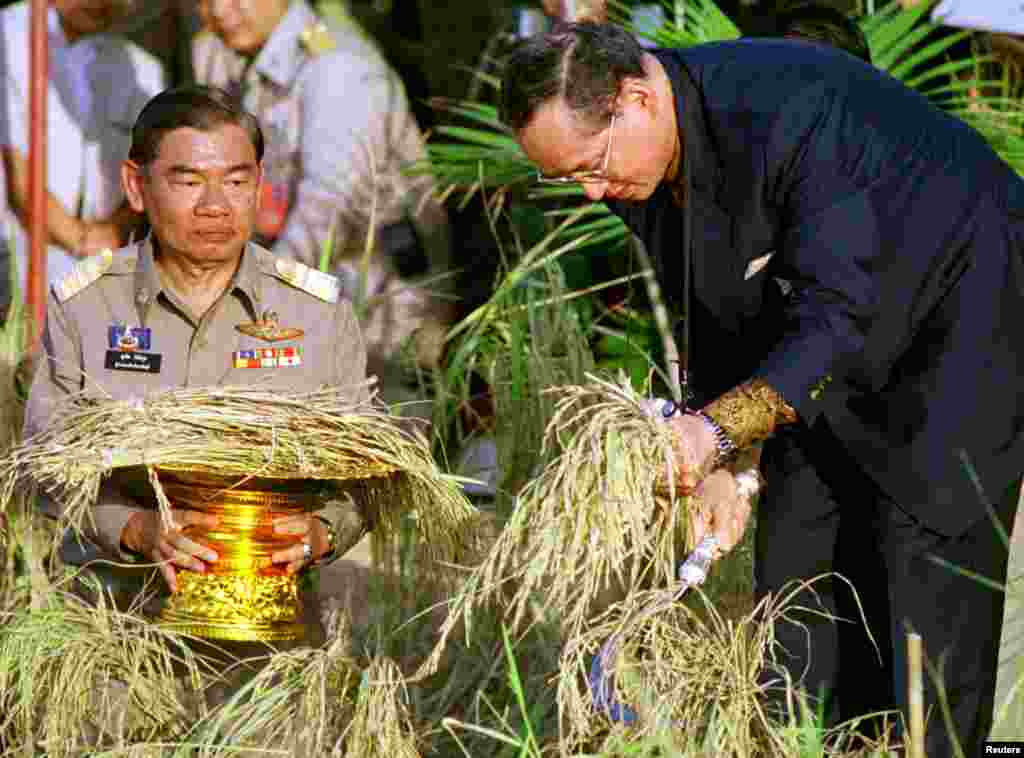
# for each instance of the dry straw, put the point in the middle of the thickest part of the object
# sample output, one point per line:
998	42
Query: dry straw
594	522
683	672
311	702
697	683
249	431
75	677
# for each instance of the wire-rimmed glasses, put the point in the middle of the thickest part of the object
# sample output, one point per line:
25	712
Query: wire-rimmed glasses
592	176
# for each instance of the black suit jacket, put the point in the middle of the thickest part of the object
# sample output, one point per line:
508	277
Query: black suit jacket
902	235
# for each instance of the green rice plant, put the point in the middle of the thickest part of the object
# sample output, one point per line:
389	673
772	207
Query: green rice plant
528	336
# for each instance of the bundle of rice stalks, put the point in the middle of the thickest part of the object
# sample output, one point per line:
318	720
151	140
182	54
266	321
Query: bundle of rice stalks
310	702
75	677
683	670
692	681
594	521
248	432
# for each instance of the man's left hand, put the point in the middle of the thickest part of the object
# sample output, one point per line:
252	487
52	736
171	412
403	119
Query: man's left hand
696	450
308	530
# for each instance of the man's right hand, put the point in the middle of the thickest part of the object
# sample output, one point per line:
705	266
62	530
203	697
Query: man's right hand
97	236
168	546
720	509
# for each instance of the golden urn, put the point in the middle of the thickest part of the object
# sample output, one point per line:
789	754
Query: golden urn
242	596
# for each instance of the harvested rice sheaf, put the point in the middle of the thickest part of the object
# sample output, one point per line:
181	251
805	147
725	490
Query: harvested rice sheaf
76	676
313	702
249	431
693	679
598	519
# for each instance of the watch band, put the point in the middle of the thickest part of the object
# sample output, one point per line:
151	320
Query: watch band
723	443
332	544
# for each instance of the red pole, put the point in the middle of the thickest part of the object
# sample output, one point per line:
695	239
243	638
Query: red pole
38	235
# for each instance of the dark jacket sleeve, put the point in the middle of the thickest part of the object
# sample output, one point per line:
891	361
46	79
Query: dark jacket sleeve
828	256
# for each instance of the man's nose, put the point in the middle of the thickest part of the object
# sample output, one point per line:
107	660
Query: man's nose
213	201
595	191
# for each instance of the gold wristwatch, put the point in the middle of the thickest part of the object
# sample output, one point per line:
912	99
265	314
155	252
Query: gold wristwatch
332	544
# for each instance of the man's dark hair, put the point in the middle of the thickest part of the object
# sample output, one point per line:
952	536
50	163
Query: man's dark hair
192	107
585	63
822	23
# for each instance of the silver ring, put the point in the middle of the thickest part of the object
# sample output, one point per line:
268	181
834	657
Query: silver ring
307	551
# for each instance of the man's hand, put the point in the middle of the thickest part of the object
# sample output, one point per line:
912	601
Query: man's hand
97	236
695	449
720	509
307	529
146	533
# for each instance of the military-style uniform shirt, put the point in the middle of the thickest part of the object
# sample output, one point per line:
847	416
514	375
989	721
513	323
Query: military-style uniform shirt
118	300
339	138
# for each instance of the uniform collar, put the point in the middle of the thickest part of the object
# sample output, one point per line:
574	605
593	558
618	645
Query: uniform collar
280	58
148	283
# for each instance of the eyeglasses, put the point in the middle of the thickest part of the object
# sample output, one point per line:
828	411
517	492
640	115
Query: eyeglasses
593	176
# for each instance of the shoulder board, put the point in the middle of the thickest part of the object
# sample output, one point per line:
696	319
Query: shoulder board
316	283
83	274
317	39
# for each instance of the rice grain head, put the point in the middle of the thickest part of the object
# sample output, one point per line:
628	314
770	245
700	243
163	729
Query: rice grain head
597	519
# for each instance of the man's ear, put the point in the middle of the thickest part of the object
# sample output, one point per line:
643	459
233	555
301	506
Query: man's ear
132	177
640	92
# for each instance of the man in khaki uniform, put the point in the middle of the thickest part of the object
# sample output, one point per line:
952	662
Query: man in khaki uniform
195	304
340	136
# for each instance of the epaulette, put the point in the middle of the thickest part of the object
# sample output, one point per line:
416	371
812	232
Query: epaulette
317	39
316	283
83	274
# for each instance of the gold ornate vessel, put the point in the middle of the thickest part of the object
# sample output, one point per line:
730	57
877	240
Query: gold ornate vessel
242	596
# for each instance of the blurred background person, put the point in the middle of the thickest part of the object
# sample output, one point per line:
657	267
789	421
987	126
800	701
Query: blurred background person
98	84
340	138
823	23
577	10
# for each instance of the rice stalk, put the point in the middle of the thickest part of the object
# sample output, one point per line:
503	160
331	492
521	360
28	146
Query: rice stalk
547	348
679	669
381	726
310	701
694	679
76	676
596	519
248	431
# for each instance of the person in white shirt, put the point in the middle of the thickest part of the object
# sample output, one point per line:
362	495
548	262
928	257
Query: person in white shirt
98	85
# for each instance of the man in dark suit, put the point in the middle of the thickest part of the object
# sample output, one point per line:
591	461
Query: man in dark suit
858	280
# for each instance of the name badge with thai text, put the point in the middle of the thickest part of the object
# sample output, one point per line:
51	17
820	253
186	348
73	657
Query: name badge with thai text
133	360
